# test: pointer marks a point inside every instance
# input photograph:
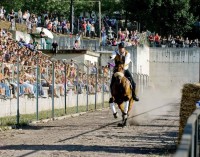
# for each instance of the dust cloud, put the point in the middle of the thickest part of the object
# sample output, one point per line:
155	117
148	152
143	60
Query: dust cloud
154	101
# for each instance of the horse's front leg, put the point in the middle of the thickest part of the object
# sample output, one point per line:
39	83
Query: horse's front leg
130	106
112	106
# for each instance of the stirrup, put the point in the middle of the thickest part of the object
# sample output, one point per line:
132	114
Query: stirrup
135	98
115	115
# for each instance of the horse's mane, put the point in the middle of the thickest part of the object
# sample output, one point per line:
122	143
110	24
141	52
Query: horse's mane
120	75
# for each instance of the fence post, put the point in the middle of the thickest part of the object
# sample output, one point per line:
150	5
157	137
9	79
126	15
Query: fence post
87	85
64	62
77	80
37	73
103	92
96	88
17	89
52	94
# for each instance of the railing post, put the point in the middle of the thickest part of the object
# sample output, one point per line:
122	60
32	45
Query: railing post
103	91
37	82
18	90
53	81
96	82
87	86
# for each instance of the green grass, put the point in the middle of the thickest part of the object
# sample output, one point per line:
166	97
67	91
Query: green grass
19	27
25	119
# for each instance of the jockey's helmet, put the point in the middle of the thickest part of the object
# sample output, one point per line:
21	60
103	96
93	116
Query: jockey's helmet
121	45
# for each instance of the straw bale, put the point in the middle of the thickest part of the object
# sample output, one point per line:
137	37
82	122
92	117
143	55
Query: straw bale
190	95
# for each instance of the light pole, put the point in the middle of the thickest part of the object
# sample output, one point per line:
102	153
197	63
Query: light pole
71	16
99	22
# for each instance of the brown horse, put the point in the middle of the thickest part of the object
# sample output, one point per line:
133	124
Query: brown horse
121	92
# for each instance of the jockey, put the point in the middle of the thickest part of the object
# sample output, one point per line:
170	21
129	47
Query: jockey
124	56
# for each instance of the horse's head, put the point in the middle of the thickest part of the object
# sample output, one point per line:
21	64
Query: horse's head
119	71
120	67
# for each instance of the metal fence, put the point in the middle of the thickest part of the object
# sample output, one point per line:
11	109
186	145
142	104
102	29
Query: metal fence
45	97
189	145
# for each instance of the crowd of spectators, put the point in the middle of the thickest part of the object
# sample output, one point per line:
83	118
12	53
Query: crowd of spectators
155	40
12	51
87	27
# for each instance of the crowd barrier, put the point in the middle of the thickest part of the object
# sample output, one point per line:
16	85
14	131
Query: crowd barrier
190	141
89	91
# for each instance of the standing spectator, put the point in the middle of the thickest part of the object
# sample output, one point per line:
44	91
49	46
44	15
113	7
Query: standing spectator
103	36
13	24
42	39
2	13
28	14
54	47
88	27
11	15
25	16
92	28
19	15
76	46
126	33
157	40
110	33
64	27
59	28
39	20
68	27
84	28
29	26
78	37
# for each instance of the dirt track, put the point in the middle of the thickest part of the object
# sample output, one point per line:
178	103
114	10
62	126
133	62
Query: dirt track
96	134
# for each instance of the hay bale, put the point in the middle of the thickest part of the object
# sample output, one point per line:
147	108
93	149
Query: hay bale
190	95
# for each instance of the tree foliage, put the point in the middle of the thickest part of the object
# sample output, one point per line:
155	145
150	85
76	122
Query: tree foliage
161	16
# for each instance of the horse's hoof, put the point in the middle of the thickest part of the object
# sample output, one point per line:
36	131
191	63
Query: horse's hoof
124	124
115	115
120	125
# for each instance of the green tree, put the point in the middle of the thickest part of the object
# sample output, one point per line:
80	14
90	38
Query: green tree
162	16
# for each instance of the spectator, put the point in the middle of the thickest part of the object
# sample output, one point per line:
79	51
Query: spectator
76	45
42	39
92	28
103	36
19	15
88	29
2	13
54	47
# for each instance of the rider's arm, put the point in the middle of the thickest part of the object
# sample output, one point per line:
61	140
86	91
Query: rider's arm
113	55
127	59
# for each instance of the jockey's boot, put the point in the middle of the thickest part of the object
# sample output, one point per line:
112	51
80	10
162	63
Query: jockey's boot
134	96
115	115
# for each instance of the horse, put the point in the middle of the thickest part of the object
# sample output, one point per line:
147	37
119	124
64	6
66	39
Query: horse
121	91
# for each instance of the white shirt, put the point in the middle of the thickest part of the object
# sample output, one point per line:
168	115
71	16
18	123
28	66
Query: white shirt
127	58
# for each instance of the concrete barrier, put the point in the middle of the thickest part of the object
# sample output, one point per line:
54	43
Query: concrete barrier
28	105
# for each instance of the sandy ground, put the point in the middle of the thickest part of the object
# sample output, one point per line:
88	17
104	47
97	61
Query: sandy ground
152	132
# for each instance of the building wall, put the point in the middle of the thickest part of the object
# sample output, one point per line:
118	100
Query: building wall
174	66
